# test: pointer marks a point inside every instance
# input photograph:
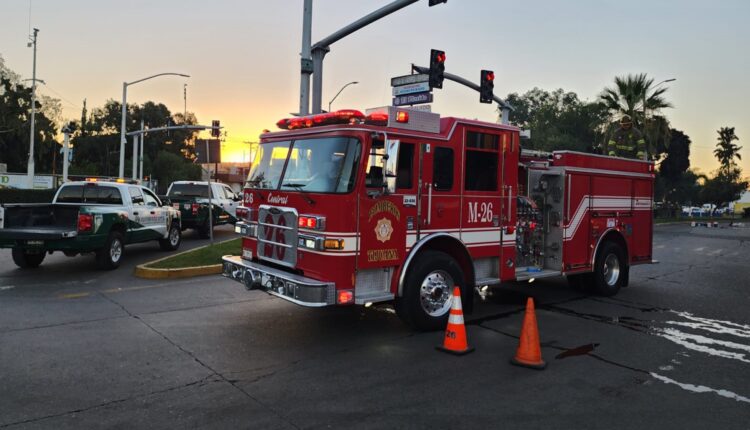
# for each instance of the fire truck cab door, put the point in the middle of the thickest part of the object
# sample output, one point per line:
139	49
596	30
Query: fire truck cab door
382	214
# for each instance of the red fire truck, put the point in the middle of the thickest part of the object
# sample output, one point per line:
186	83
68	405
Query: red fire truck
400	205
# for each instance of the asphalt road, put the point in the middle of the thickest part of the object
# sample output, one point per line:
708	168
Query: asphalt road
81	348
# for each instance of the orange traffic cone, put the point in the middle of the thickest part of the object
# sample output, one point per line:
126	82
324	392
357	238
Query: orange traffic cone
529	352
455	334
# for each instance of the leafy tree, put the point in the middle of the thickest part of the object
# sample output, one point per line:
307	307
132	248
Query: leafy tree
558	120
726	150
98	143
15	117
726	186
169	167
627	98
672	169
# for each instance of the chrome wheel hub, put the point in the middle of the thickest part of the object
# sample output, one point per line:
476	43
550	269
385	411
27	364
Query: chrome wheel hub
435	293
115	251
611	270
174	236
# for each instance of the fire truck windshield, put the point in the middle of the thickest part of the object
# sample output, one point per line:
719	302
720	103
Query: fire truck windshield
318	165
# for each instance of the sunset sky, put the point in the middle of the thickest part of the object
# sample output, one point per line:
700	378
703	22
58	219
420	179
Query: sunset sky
243	56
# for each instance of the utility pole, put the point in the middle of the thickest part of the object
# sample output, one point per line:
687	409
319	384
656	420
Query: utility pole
140	159
306	62
66	151
30	168
184	108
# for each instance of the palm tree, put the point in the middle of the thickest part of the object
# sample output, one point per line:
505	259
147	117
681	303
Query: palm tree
626	98
726	151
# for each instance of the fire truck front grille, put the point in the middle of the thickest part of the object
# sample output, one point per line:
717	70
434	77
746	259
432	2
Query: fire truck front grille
277	235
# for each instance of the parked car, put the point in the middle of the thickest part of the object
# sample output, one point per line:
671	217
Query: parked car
191	199
88	217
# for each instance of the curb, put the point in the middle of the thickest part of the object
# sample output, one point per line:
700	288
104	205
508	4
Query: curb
144	272
183	272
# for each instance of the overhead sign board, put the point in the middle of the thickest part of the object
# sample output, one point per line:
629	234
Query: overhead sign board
413	99
214	151
411	88
409	79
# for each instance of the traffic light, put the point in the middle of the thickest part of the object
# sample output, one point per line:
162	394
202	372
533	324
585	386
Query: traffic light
437	68
215	131
486	85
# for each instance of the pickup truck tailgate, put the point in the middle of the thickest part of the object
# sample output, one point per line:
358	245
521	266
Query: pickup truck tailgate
37	233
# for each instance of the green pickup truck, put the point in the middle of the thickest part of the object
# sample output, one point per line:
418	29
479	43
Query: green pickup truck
88	217
191	199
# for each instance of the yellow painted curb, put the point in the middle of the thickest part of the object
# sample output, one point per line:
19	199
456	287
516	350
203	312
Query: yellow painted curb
144	272
183	272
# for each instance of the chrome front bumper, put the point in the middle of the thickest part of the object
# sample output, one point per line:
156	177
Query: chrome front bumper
288	286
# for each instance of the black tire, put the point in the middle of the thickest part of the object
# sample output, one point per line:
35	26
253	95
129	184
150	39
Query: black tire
610	269
27	260
173	240
107	258
444	270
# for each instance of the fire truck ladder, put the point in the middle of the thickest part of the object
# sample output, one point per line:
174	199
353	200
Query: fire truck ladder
505	108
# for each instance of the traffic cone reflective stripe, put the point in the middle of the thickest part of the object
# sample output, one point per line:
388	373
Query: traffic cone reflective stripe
529	352
454	341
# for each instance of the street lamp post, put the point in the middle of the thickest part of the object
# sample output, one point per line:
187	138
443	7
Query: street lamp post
337	94
123	139
30	166
645	155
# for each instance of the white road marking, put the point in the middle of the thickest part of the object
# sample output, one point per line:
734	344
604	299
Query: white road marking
701	388
8	287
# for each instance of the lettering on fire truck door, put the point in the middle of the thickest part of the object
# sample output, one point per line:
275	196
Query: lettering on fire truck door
482	203
383	217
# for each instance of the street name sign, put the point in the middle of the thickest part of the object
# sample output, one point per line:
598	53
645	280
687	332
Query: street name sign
409	79
411	88
413	99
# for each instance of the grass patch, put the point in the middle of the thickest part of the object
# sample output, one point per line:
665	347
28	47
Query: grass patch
201	257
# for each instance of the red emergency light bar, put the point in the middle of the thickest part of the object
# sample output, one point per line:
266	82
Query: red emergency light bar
345	116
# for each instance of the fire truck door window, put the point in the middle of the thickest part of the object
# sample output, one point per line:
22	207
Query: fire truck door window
480	173
374	175
405	169
442	169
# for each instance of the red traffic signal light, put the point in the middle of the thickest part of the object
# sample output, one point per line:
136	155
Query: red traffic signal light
437	68
215	130
486	86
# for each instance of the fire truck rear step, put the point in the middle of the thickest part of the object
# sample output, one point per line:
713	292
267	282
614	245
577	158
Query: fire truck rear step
523	274
487	281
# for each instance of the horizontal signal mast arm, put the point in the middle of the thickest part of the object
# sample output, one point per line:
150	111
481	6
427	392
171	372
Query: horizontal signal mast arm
464	82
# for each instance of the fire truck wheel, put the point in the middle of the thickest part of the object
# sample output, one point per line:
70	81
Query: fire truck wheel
428	291
610	269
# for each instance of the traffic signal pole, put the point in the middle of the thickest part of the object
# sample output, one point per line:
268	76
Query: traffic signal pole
323	47
306	62
505	108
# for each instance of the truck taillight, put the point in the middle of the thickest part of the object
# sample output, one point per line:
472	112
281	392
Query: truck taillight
85	222
195	208
345	297
312	222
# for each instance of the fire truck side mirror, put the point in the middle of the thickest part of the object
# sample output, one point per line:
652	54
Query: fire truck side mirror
390	165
